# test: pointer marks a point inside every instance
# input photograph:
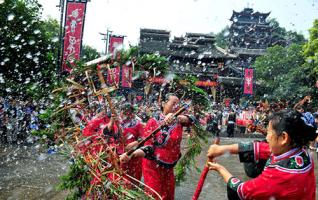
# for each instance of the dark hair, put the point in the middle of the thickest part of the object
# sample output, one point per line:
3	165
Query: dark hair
293	123
166	97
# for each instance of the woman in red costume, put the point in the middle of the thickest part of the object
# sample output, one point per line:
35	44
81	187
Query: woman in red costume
162	152
132	132
289	171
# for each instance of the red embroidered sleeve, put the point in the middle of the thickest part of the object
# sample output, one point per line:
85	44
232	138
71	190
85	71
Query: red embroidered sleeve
148	147
261	151
92	127
264	186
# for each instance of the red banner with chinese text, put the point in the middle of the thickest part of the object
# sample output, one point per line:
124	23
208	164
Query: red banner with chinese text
115	44
248	81
73	32
227	102
113	76
126	76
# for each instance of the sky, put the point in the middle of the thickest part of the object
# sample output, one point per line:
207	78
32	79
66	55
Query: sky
126	17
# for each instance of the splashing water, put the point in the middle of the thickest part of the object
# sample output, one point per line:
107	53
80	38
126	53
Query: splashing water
10	17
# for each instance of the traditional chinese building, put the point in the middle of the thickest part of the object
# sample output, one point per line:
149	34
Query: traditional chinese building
196	54
250	35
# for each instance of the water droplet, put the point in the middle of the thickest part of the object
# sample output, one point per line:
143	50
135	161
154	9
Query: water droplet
37	31
1	79
10	17
27	80
55	39
29	55
17	37
36	59
31	42
13	46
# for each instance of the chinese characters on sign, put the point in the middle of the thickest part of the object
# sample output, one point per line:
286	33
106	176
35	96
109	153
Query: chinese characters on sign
248	81
113	76
73	33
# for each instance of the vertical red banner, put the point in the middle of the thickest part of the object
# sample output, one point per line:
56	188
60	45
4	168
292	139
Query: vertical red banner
73	32
115	43
113	76
126	76
227	102
248	81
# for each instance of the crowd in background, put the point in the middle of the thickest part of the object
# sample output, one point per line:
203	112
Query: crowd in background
18	118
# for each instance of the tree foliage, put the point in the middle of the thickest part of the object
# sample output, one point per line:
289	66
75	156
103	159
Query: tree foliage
222	38
280	36
28	48
311	50
280	74
89	53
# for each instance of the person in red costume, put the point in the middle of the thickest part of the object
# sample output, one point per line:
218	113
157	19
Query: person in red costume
94	130
162	152
289	171
120	138
132	132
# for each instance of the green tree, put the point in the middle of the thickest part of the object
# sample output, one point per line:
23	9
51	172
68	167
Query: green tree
280	36
311	49
310	67
280	74
27	49
89	53
222	38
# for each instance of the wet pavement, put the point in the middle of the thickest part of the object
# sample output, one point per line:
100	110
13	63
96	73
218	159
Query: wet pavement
29	172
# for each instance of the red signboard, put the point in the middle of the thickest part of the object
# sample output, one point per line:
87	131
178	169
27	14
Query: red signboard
248	81
113	76
206	83
73	33
115	42
227	102
126	76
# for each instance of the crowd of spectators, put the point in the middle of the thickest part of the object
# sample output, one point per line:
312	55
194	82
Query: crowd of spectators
18	118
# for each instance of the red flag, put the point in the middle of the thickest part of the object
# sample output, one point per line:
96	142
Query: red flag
113	76
248	81
126	76
73	32
227	102
114	44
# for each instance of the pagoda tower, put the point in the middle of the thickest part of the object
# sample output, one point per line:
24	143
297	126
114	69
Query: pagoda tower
250	33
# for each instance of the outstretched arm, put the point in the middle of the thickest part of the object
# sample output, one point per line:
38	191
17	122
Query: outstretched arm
221	170
219	150
124	158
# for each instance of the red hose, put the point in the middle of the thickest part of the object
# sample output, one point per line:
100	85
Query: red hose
203	176
200	183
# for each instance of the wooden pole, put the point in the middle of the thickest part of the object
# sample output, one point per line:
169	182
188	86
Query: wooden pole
153	133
